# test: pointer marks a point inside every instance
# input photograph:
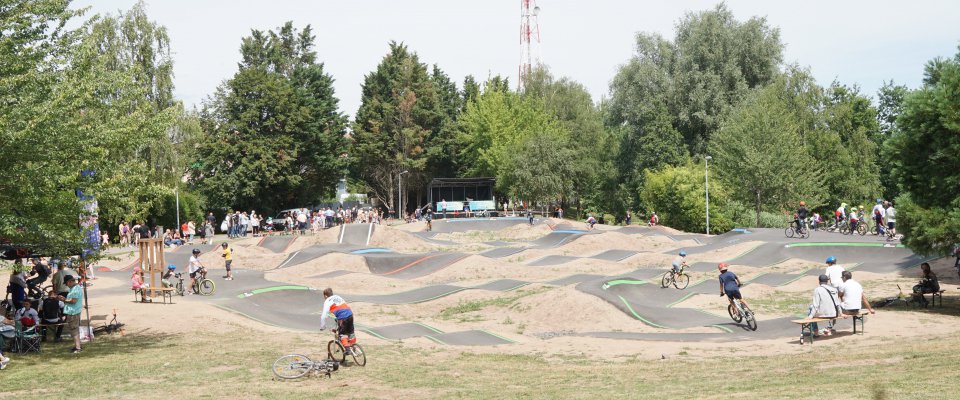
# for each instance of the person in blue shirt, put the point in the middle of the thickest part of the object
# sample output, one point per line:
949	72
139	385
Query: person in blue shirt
730	285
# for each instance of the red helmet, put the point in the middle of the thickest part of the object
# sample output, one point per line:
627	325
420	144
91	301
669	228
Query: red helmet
802	203
722	266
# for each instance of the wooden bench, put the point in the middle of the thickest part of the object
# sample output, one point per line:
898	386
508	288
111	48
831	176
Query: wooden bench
806	327
857	317
936	295
166	294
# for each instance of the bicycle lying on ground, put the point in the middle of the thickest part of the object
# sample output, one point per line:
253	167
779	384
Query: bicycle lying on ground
293	366
338	352
738	312
679	280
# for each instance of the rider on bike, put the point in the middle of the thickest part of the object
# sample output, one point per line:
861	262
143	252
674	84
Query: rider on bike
730	285
341	311
167	278
854	219
680	262
42	272
195	269
801	216
841	214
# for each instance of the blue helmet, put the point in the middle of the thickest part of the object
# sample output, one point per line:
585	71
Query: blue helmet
683	253
879	201
831	260
171	267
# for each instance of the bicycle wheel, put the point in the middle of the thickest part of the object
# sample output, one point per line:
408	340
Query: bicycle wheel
734	314
681	281
292	366
179	288
207	287
335	351
667	279
359	356
789	231
862	229
751	321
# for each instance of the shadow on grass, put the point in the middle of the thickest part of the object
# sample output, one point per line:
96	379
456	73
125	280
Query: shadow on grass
105	346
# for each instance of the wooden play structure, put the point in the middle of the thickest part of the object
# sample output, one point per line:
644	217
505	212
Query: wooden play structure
152	265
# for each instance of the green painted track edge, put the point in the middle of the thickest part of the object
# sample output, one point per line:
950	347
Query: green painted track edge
497	336
841	244
642	319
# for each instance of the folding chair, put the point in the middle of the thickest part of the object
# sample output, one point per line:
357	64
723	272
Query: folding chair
26	339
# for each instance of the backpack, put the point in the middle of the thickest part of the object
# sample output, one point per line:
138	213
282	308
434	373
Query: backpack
50	309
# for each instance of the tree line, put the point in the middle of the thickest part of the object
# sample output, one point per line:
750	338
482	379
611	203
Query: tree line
100	97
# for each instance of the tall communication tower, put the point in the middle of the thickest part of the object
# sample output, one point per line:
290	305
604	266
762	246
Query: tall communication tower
529	32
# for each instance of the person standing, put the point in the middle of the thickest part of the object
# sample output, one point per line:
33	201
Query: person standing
878	214
891	215
443	208
834	272
191	231
255	222
628	218
73	305
227	261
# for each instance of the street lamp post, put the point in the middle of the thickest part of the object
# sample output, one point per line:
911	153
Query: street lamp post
400	193
706	181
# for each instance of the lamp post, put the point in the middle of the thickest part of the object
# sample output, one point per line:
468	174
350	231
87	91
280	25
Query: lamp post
400	194
706	181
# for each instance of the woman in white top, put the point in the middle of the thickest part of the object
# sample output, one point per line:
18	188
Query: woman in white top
191	230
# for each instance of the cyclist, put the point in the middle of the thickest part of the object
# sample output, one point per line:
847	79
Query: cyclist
841	214
428	216
801	216
730	285
195	268
878	214
854	219
167	279
654	220
680	262
343	314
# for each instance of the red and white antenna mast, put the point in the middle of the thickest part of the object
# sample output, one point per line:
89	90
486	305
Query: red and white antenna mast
529	32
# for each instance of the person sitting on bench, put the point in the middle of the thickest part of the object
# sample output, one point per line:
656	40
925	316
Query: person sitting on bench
824	305
852	298
928	283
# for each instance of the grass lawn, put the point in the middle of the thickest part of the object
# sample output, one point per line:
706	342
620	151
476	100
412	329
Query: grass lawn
149	365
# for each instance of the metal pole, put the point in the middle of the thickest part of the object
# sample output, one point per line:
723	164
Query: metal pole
399	192
706	178
176	191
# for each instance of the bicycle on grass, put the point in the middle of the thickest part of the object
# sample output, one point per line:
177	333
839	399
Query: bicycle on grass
338	352
739	312
679	280
293	366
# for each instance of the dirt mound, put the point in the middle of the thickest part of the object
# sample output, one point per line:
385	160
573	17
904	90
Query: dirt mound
305	274
587	245
399	240
517	233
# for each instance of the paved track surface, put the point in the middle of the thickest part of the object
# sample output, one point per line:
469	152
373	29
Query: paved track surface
277	244
478	224
356	234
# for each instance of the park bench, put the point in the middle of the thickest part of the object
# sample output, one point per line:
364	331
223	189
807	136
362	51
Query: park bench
806	324
166	294
934	296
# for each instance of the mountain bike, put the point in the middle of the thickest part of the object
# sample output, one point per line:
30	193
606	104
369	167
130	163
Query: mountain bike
293	366
841	227
338	352
901	298
201	285
679	280
861	229
178	287
802	232
738	312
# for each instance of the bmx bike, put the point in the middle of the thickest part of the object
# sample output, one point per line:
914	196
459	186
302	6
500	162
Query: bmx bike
336	351
679	280
738	312
293	366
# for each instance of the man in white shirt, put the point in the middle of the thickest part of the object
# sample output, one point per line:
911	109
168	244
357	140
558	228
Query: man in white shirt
851	296
891	215
834	272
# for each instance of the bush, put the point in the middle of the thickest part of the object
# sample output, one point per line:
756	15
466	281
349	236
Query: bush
677	195
746	217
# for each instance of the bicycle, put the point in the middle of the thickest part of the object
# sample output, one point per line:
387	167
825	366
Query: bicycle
861	229
738	312
178	287
293	366
679	280
337	351
901	298
802	231
201	285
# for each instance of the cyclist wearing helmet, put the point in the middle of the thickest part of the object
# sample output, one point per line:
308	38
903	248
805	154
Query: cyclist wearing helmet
336	305
834	272
854	219
878	215
841	213
195	268
730	285
680	262
167	278
801	216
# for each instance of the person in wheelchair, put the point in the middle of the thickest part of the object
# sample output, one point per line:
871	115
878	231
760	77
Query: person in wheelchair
928	283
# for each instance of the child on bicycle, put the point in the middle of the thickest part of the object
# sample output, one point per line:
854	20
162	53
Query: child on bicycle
854	219
680	262
801	216
343	314
167	278
730	285
195	269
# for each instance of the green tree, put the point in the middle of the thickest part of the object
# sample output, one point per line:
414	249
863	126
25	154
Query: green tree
759	155
890	99
274	136
694	80
851	118
678	196
923	153
400	110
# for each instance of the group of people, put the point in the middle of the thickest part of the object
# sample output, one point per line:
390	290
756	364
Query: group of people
883	214
26	308
837	295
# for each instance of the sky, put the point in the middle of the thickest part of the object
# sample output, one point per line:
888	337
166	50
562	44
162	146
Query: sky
853	42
